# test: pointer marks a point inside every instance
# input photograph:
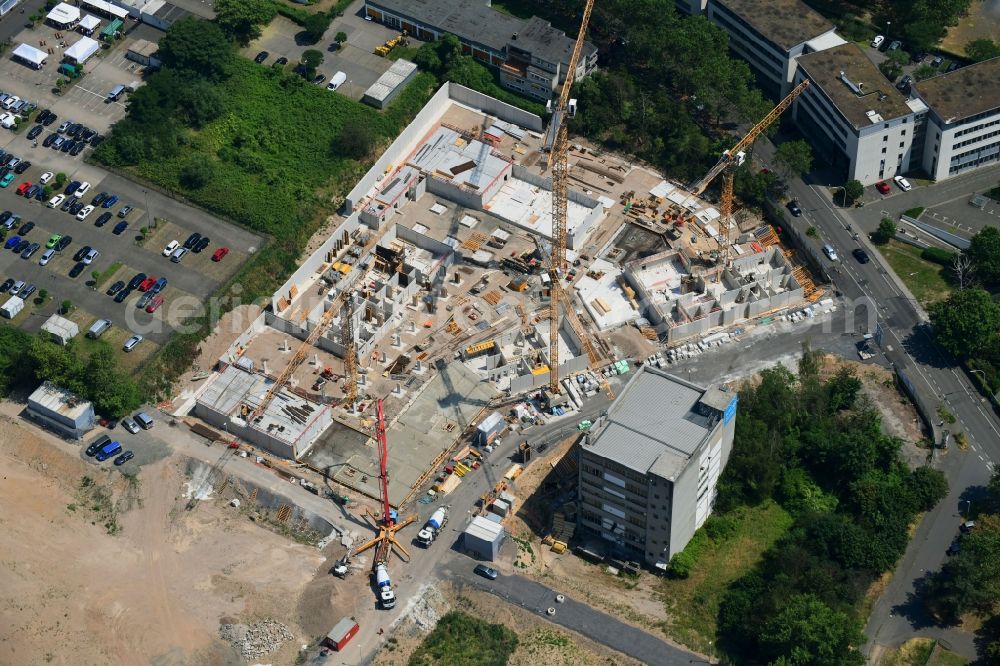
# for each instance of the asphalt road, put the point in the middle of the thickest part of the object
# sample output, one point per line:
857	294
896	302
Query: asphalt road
898	615
578	617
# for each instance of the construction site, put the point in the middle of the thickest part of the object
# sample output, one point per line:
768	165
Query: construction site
481	258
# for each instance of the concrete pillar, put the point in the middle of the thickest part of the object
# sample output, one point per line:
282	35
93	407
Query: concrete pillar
265	366
418	367
284	346
362	380
382	357
395	340
316	360
413	327
399	388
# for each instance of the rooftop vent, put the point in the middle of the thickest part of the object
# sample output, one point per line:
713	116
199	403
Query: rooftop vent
874	117
856	89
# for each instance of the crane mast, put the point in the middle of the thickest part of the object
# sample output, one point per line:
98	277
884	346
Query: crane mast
560	173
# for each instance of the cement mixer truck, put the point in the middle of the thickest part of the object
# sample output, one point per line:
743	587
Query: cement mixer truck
386	596
434	525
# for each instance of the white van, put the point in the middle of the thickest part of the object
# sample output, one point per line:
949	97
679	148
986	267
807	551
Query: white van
830	253
115	93
99	328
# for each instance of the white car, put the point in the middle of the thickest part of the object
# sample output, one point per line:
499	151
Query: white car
7	121
169	249
877	42
88	258
84	212
80	191
46	256
11	101
131	343
902	183
45	177
56	201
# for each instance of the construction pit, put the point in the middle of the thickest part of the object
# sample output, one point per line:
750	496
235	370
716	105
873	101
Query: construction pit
438	261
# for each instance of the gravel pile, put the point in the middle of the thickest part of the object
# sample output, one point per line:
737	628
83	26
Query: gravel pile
255	640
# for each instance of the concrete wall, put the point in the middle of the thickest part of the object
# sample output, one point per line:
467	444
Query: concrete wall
495	107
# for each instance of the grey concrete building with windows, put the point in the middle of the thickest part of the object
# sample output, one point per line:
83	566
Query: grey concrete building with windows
770	35
964	119
530	54
649	468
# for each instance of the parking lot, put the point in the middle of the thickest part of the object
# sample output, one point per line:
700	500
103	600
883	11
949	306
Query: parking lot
356	57
121	257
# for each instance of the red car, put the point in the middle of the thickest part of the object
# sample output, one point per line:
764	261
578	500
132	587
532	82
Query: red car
882	187
155	303
23	187
147	283
220	253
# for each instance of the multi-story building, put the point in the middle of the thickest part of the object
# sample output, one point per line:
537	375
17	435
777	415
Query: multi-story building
964	119
770	35
856	118
531	55
650	467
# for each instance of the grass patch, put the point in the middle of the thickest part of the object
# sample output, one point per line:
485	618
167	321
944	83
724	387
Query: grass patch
913	652
925	279
460	639
105	276
914	212
693	603
944	657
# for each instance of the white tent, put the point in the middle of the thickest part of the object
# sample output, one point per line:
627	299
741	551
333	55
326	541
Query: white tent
83	49
63	15
88	24
30	55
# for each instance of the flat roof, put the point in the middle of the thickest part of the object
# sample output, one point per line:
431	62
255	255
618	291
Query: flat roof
476	21
60	401
484	529
655	424
967	91
786	23
828	69
63	13
391	79
30	53
448	155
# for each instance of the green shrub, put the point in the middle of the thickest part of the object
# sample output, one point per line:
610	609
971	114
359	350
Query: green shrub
937	255
914	212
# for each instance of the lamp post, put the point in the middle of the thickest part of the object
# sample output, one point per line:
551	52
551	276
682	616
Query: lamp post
986	384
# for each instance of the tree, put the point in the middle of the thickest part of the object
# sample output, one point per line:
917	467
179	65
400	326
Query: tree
242	19
316	25
355	140
43	295
65	306
340	37
984	252
928	486
982	49
886	230
196	174
843	389
966	323
962	270
197	46
925	72
311	59
853	190
112	393
807	632
60	179
793	158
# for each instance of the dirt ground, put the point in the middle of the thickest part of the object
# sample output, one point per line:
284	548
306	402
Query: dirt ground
539	641
982	22
114	571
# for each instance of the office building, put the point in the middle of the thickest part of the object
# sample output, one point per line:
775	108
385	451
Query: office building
769	36
650	467
964	119
855	118
531	55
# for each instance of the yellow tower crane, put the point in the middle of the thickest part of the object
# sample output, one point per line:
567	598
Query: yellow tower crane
559	140
735	156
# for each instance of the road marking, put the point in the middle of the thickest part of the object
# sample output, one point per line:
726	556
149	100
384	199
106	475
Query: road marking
981	458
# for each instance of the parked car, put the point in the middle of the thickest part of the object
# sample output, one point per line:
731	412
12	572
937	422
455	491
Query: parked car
905	83
202	244
22	245
896	44
136	280
793	208
76	270
108	450
159	285
261	57
84	212
25	228
115	288
76	208
130	425
882	187
122	295
99	198
49	140
63	243
169	249
35	131
46	177
81	253
937	61
72	187
53	239
96	445
22	167
29	251
144	300
154	303
124	458
129	345
281	62
91	256
82	189
7	284
27	291
192	240
68	203
23	187
220	253
119	228
486	572
77	148
902	183
7	179
102	219
110	201
125	211
830	253
12	242
46	257
147	283
178	255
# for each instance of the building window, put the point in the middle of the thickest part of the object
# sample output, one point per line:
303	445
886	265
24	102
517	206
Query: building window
904	133
883	151
885	138
902	144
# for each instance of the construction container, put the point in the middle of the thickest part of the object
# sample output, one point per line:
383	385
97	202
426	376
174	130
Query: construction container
490	427
341	634
12	307
500	507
